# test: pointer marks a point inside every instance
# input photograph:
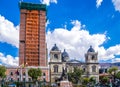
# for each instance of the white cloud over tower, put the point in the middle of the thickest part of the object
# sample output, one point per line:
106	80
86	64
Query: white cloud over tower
8	32
47	2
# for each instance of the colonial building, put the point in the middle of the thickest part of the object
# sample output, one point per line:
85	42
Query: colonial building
21	73
60	62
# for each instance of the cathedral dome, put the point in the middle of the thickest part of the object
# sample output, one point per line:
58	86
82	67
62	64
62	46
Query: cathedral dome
55	48
65	56
91	49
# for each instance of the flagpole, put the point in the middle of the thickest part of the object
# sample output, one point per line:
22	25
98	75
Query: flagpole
26	69
21	73
21	77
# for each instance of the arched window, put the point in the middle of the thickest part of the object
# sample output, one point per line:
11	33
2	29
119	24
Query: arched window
94	68
55	68
86	57
84	69
93	57
56	56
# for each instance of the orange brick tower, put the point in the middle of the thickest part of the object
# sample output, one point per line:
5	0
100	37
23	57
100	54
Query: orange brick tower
32	43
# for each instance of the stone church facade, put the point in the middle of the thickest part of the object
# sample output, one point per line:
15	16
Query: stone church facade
60	62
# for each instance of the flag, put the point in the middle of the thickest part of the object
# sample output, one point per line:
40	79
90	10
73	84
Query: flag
17	72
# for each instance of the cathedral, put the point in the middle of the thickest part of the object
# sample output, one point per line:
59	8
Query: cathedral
60	62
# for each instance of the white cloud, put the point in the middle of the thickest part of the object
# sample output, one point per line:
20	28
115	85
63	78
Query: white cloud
114	60
98	3
77	41
47	23
109	54
116	4
47	2
8	60
8	32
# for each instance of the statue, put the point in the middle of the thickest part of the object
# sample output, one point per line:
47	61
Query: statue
64	74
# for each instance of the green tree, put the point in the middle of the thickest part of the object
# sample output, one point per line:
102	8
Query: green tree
85	81
92	80
113	71
75	76
104	79
2	71
117	75
34	73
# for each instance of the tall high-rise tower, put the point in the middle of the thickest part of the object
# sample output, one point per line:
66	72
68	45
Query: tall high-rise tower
32	43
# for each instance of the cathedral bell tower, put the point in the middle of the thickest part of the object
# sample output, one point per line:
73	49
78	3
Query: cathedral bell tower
91	56
55	54
55	64
91	60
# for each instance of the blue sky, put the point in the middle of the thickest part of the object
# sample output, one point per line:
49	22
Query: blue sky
73	25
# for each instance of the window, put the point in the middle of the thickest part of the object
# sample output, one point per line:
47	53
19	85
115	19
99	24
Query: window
18	79
11	73
24	74
23	79
43	74
55	68
86	57
93	57
17	72
30	79
84	69
94	68
55	56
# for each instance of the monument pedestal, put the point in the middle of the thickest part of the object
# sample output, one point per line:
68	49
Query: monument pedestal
65	83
